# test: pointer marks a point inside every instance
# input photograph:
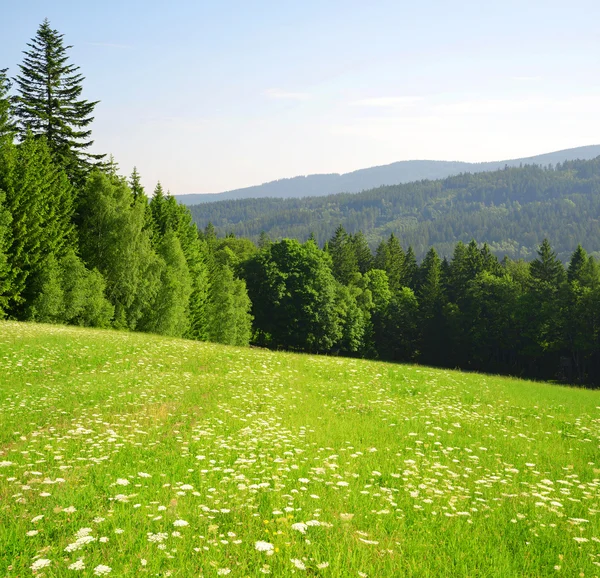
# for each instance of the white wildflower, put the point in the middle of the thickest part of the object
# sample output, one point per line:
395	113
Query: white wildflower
263	546
298	563
40	563
300	527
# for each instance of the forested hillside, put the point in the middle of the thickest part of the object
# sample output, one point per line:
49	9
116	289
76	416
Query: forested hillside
392	174
512	210
81	244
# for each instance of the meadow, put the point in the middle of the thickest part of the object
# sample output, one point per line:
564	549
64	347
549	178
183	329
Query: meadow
134	455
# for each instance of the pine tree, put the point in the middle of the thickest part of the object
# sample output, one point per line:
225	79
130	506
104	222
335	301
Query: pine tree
136	186
49	103
264	240
395	264
364	257
341	249
577	265
410	269
547	268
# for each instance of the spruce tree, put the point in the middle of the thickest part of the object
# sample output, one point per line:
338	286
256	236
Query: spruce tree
345	262
363	253
136	186
49	103
40	200
410	269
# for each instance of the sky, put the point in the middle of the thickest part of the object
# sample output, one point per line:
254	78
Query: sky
213	96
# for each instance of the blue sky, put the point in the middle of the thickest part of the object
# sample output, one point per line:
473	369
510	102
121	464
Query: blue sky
213	96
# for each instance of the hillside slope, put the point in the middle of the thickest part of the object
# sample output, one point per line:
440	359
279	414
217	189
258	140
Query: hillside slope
392	174
512	209
130	454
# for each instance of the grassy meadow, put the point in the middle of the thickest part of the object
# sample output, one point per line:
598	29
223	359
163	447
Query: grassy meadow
133	455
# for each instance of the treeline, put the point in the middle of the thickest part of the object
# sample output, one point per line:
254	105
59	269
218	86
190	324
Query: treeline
512	210
472	311
80	244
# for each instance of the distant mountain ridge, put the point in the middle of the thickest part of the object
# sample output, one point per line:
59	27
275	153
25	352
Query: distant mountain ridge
512	209
393	174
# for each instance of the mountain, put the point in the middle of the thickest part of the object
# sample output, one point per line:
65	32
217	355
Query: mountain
512	209
396	173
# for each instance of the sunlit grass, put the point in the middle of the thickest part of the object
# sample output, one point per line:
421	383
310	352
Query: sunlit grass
128	454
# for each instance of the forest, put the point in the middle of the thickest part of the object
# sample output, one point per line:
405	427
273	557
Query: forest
81	244
512	210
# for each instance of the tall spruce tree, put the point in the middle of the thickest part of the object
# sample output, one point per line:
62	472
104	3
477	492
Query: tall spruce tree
49	103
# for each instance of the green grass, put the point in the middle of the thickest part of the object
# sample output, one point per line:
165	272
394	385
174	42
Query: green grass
398	470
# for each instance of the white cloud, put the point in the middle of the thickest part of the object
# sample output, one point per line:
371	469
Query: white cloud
285	95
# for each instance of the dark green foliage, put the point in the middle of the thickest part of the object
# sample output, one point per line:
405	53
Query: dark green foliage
511	210
343	256
293	296
49	103
397	328
364	256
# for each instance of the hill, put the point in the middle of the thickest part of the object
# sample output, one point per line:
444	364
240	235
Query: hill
132	454
512	209
392	174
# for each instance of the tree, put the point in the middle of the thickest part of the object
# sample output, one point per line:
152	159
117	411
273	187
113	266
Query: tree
364	257
49	103
40	200
343	256
395	264
577	265
169	314
70	293
114	240
293	296
352	319
228	309
547	268
397	327
410	269
135	184
431	300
